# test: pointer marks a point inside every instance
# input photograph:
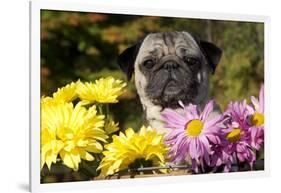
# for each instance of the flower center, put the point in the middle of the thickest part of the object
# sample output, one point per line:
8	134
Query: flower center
234	135
257	119
194	128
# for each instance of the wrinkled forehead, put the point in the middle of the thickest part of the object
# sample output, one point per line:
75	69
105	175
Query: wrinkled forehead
169	42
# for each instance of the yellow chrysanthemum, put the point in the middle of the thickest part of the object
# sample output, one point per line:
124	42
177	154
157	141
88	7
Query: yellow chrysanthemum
70	132
104	90
133	150
50	147
110	126
65	94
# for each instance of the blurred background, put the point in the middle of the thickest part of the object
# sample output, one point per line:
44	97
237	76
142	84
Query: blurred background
85	46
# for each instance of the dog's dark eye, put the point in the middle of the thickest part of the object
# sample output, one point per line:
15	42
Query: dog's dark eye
191	60
148	63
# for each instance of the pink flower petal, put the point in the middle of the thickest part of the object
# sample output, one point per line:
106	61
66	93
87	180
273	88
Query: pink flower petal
255	103
207	110
173	119
193	149
192	111
261	99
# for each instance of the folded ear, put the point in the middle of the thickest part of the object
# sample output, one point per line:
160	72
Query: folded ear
211	51
126	60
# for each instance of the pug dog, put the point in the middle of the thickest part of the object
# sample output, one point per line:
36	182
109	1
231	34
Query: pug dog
169	67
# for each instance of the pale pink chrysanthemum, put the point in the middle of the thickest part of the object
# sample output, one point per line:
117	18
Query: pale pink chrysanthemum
191	134
221	159
237	132
256	120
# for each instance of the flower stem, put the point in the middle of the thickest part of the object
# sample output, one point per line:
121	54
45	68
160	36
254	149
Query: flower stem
100	109
238	163
107	110
141	172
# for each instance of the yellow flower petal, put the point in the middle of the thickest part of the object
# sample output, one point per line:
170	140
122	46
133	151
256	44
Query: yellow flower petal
67	159
67	93
94	147
129	132
85	155
111	127
126	148
70	132
104	90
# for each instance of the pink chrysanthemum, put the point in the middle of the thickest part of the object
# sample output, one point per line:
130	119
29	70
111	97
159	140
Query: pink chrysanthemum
256	120
236	132
220	158
191	134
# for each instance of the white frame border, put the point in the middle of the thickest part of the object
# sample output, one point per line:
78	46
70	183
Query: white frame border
87	6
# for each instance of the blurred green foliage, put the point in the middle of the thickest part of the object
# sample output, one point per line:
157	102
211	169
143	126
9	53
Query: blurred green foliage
85	46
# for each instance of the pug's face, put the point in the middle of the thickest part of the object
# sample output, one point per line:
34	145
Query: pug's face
171	67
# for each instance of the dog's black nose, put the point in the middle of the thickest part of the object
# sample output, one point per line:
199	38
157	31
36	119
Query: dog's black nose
170	65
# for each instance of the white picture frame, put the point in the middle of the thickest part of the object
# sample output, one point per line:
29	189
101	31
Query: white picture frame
37	6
